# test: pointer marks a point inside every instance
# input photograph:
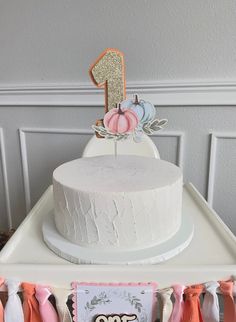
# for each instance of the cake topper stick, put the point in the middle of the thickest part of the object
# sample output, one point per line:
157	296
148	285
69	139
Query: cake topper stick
108	71
115	148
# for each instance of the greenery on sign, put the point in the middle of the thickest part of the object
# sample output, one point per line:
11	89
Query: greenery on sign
134	301
97	300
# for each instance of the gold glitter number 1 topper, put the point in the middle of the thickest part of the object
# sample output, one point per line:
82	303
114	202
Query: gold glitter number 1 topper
108	71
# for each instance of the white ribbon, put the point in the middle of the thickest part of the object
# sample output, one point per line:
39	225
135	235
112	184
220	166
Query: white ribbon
61	296
210	306
13	309
167	305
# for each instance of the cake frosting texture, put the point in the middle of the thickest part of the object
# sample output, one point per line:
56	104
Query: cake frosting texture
120	203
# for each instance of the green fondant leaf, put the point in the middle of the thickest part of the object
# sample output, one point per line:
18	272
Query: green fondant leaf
163	122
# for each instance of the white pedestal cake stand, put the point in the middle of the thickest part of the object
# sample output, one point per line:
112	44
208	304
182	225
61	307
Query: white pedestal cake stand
152	255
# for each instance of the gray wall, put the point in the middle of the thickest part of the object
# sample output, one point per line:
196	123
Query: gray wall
179	54
54	41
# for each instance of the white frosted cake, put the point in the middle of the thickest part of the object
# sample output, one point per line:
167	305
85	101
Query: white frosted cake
117	203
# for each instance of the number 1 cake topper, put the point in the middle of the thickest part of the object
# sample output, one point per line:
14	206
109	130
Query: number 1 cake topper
123	117
108	71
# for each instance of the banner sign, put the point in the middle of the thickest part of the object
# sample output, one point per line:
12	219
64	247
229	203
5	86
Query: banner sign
114	302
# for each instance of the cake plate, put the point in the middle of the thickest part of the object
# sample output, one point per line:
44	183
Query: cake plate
151	255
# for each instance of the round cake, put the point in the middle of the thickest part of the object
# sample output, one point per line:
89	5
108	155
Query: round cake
117	203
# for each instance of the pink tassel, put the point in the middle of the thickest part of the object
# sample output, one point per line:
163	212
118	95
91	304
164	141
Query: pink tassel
47	311
177	313
1	306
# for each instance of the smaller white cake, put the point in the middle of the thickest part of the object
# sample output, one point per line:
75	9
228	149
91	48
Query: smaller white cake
117	203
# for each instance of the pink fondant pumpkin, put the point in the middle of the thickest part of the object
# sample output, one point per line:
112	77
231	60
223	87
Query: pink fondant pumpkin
119	120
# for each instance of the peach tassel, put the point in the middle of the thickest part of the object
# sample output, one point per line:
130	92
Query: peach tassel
30	304
192	312
229	307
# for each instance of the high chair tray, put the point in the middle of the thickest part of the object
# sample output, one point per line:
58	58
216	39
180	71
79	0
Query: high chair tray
211	254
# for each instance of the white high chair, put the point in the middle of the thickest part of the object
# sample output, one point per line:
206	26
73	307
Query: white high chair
97	146
27	258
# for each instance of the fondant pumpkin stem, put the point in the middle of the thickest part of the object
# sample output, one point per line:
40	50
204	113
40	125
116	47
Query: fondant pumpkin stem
119	109
136	99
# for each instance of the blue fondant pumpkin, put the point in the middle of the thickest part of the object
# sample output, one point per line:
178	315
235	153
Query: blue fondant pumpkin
144	110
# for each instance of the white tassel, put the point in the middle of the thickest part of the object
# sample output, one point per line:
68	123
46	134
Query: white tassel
13	309
210	306
167	305
61	296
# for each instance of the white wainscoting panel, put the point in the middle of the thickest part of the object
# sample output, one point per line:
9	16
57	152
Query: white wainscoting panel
172	152
39	137
42	150
5	208
222	176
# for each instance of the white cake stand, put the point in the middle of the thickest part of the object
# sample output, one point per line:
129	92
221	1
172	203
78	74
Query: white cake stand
82	255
